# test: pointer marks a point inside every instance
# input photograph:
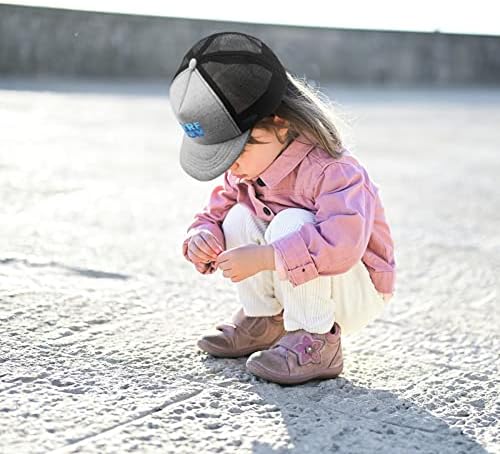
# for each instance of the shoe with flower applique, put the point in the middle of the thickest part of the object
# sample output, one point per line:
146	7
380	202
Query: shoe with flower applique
300	356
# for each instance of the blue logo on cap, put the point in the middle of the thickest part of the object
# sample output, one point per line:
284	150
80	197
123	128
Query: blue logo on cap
193	129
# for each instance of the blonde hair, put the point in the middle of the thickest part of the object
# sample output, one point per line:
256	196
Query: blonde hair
309	112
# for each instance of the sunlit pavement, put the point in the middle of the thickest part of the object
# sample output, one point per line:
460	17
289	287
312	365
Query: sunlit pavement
99	311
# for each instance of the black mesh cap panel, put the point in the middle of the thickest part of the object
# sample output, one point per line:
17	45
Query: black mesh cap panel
233	42
244	73
237	82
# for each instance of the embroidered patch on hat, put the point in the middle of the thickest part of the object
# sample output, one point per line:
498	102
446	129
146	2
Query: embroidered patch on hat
193	129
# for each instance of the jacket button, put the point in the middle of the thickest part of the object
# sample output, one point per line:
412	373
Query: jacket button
267	211
260	182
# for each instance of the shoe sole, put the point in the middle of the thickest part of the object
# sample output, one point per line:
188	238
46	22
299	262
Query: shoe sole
268	375
220	353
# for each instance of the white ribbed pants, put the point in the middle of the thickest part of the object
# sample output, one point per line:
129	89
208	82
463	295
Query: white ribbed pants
349	298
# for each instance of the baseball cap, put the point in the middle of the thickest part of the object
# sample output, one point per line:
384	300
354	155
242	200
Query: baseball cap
224	85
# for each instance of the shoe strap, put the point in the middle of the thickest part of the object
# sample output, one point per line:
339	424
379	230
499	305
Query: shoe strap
235	323
238	317
298	343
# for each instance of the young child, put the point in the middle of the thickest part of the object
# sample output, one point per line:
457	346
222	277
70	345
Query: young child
297	224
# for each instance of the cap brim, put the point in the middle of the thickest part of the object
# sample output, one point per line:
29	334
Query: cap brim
206	162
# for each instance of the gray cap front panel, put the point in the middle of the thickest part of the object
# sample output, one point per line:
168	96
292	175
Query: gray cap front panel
201	113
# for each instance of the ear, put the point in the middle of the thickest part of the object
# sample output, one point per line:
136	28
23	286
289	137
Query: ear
281	122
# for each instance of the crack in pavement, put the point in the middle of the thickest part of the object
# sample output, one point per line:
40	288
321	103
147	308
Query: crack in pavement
141	415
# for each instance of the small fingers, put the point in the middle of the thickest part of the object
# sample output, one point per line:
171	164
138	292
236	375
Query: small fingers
201	267
222	265
200	251
212	242
222	257
204	248
195	258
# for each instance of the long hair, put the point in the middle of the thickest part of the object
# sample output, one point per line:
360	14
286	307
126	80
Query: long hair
309	112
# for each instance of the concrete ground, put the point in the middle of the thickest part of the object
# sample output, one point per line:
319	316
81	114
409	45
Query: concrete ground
99	312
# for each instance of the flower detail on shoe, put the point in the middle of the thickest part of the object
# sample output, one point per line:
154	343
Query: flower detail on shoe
308	350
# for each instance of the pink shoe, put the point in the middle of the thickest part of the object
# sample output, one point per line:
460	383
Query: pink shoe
243	335
300	356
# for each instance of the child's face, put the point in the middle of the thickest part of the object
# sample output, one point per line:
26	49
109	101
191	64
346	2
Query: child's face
255	158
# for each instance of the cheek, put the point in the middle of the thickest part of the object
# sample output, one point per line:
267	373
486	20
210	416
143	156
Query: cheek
264	160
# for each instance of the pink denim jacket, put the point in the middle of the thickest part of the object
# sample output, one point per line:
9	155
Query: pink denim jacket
350	220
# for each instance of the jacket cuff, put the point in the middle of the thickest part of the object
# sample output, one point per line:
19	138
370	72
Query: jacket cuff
297	260
384	281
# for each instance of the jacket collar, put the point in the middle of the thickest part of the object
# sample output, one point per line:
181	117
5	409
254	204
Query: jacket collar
289	158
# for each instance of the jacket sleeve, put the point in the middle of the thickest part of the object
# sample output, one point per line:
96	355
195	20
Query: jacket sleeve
345	211
222	198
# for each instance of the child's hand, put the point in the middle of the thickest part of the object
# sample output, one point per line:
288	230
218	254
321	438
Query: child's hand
245	261
203	248
202	268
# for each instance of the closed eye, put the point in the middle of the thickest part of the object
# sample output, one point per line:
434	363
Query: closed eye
255	141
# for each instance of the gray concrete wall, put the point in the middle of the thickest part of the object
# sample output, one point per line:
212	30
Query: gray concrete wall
42	41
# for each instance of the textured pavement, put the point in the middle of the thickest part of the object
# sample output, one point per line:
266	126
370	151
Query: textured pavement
99	312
